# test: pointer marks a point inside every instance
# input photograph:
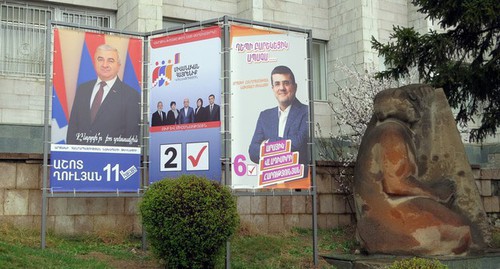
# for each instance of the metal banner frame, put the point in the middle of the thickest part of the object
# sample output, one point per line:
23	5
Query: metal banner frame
227	133
225	23
46	191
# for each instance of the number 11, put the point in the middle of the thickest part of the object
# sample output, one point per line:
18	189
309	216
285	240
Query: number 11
115	169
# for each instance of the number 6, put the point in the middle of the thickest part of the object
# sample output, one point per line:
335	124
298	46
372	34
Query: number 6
240	169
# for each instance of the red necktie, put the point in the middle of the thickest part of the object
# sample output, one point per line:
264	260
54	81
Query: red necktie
97	101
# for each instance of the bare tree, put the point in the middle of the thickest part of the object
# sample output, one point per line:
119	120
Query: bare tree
352	108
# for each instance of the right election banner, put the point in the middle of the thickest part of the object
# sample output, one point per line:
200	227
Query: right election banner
269	109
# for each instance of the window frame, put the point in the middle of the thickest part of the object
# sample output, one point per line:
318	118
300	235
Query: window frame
319	65
28	59
168	22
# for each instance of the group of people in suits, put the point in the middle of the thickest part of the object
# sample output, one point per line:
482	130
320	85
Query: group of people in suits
186	114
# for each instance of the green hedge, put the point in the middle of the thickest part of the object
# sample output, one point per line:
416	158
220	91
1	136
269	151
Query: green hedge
188	220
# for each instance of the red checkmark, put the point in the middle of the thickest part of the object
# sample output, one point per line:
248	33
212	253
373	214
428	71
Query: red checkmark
194	161
251	170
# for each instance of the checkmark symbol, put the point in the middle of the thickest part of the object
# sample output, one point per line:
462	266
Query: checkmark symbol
251	170
196	160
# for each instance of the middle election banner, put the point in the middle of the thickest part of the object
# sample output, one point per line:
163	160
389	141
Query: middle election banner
269	109
184	105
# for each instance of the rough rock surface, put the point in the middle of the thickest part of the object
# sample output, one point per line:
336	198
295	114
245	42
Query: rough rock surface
414	188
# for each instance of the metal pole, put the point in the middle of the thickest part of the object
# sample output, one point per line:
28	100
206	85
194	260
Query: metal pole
46	139
145	129
315	226
227	134
312	150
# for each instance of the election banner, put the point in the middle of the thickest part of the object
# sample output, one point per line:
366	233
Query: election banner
184	104
269	109
96	112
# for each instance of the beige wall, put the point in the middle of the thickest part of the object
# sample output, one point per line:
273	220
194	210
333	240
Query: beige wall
22	101
21	203
275	214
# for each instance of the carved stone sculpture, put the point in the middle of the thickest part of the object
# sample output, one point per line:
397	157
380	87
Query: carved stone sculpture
413	186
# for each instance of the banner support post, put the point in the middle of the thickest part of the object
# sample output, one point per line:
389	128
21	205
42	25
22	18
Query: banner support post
227	134
145	128
46	141
312	149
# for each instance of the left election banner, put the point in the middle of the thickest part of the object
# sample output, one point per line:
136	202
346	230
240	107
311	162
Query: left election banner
184	105
96	112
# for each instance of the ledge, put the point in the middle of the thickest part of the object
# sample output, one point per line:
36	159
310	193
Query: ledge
27	157
488	260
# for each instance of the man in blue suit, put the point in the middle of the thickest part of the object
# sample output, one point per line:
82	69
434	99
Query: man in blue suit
286	121
186	115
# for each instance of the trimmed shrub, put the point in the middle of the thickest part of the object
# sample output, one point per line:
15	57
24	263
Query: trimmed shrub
188	220
417	263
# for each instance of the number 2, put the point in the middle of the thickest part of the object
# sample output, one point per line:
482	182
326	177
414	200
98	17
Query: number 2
170	162
170	157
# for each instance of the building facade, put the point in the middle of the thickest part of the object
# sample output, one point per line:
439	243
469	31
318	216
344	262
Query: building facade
341	29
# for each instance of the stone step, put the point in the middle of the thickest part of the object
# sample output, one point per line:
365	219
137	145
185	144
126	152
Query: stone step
487	260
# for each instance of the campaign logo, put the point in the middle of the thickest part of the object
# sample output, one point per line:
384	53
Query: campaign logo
278	163
188	71
162	74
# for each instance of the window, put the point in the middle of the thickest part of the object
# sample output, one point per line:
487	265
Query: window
86	18
319	70
23	33
171	22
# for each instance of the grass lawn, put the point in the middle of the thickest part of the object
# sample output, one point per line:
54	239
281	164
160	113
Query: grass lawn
21	249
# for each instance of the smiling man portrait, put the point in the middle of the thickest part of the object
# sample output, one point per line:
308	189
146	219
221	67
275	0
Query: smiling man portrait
288	120
105	110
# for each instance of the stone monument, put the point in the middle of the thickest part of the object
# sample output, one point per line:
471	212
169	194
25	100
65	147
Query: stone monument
413	186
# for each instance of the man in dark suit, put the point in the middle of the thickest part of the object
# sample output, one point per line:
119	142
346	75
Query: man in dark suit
159	118
186	115
213	109
286	121
105	111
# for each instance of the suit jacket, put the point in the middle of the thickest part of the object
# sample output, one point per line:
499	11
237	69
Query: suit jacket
200	114
158	120
171	119
118	115
189	118
296	129
215	114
